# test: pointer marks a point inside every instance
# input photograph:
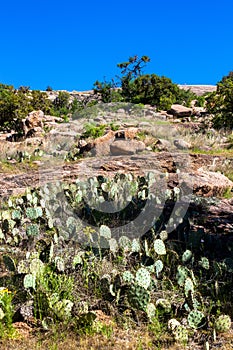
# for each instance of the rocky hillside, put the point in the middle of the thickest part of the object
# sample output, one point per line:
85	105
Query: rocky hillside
121	213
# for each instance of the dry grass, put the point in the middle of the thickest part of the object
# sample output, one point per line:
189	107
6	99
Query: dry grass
117	338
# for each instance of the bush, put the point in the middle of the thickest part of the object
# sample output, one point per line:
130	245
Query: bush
220	103
16	104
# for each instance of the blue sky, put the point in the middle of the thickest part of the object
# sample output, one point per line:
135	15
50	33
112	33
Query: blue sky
70	44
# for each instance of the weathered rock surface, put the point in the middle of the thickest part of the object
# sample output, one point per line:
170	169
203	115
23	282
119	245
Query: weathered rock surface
199	89
180	111
181	144
201	182
126	147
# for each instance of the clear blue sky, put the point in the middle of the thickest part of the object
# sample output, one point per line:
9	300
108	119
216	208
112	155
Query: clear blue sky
70	44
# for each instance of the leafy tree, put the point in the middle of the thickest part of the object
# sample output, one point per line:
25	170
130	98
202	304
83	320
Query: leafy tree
131	70
136	87
220	103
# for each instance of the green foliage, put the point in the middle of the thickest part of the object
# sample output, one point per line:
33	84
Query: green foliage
136	87
108	91
62	104
6	313
17	104
220	103
153	277
94	131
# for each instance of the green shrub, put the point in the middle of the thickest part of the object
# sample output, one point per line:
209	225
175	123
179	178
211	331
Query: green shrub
220	103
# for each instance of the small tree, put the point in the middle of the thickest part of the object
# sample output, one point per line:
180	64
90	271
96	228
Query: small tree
220	103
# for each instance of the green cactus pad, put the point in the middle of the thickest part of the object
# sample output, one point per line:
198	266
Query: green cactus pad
164	304
29	281
204	263
196	319
158	267
187	255
63	308
23	267
135	245
105	232
222	324
32	230
159	247
127	277
16	214
163	235
125	243
150	310
188	286
180	334
36	266
143	277
138	297
182	274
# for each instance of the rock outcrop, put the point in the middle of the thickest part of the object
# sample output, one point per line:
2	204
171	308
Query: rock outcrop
180	111
126	147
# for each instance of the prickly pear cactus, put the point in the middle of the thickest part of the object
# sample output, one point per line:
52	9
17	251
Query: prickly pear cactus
143	278
182	275
32	230
172	324
159	247
204	263
125	243
187	255
138	297
16	214
188	286
158	267
127	277
23	266
36	267
63	308
113	245
135	245
196	319
34	213
180	334
164	304
163	235
150	310
105	232
222	324
29	281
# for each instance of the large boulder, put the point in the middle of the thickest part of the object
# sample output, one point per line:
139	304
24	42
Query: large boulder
34	119
209	183
126	147
33	124
180	111
101	145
